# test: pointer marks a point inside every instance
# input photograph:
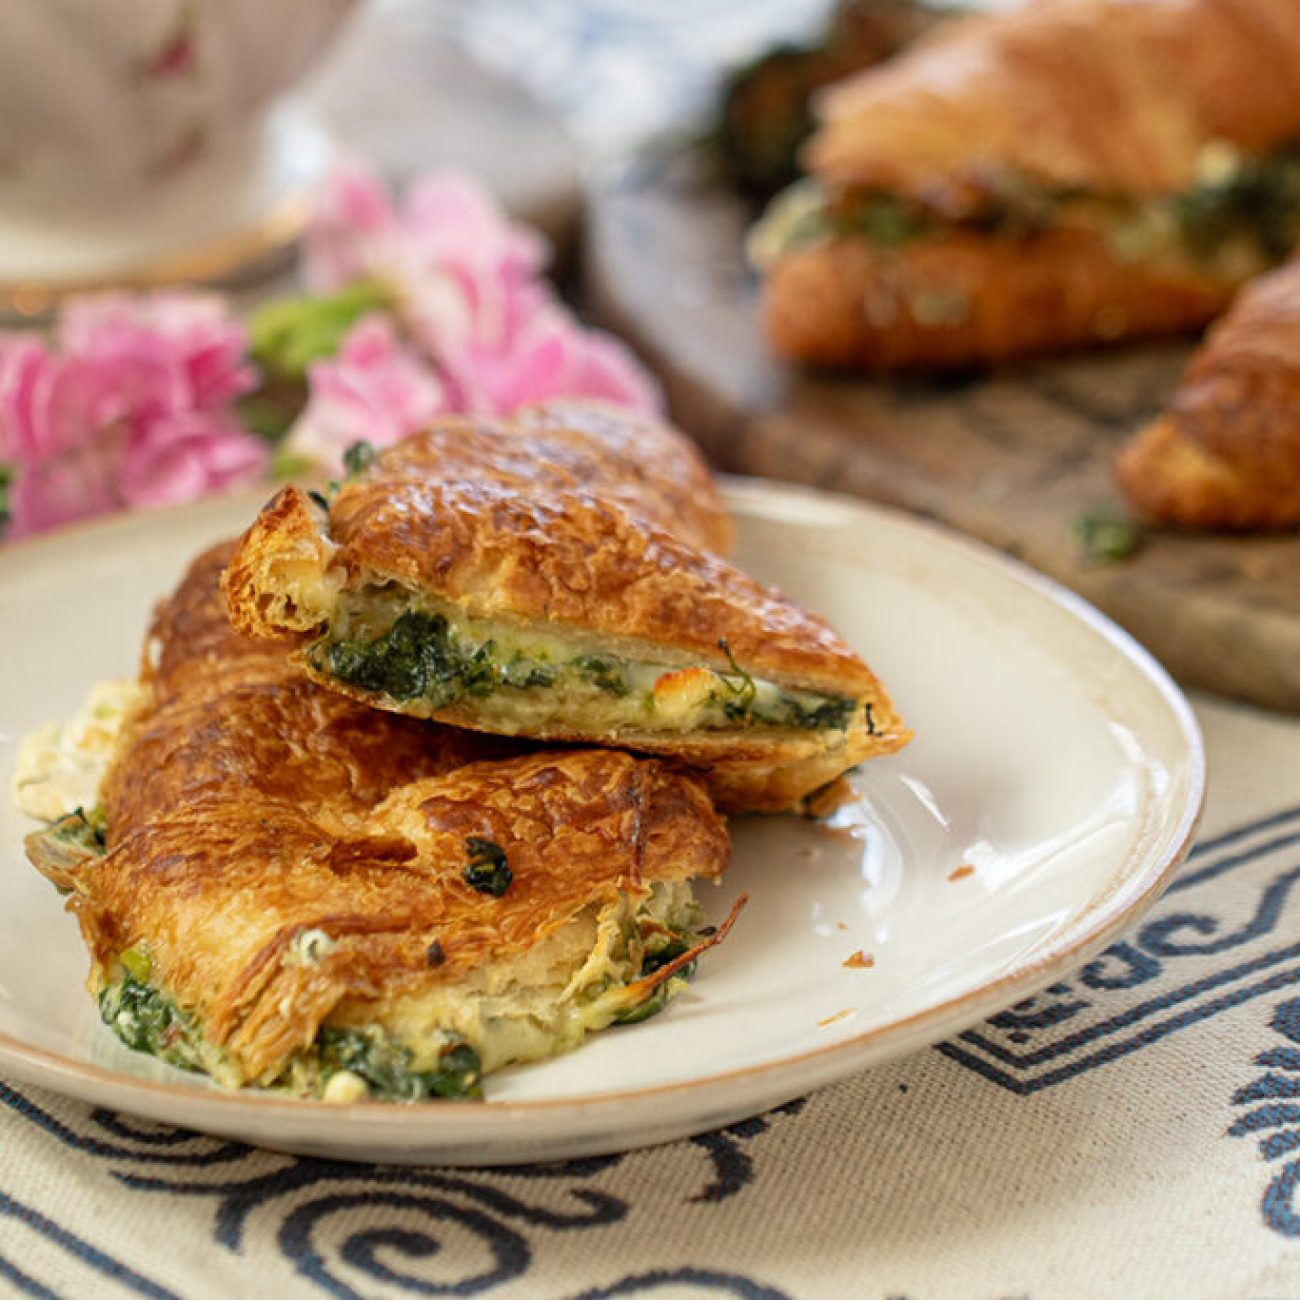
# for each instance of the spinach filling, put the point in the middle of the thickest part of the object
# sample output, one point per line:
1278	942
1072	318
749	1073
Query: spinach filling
417	658
146	1020
386	1065
487	869
655	959
1260	201
85	829
421	656
1256	201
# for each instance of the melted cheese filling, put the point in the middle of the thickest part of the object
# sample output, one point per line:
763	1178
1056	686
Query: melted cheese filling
430	657
1241	216
61	766
538	1004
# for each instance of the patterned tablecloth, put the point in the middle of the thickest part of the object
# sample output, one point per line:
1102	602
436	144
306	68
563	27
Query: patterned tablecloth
1132	1131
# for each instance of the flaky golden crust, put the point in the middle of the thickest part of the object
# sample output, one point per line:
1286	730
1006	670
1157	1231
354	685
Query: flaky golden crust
526	522
1227	452
248	806
967	299
585	452
640	460
288	538
1099	95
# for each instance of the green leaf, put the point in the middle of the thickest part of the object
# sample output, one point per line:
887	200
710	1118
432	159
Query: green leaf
288	464
1107	537
740	686
288	334
358	458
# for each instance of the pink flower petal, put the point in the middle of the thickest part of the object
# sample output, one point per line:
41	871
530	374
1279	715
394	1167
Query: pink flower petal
56	491
454	220
351	229
374	390
191	349
605	367
132	410
169	459
552	356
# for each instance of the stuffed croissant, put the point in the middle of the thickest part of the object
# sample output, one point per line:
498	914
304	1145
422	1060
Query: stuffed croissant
284	888
557	576
1226	454
1044	178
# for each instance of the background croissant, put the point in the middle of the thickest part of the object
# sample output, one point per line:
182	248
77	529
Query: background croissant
1227	452
1041	179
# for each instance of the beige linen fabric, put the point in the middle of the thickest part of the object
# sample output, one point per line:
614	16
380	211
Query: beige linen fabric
1103	1140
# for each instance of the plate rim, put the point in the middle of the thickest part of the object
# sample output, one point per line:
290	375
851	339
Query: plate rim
815	1067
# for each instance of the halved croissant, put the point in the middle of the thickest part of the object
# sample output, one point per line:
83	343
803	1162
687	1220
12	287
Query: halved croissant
512	576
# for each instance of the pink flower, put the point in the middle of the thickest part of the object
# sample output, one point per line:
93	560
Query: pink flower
551	356
187	343
46	402
353	231
186	455
448	241
469	292
374	390
131	410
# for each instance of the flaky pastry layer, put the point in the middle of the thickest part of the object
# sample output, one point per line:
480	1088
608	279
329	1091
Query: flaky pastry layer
283	859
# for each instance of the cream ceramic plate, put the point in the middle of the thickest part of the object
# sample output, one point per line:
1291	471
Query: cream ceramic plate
1054	784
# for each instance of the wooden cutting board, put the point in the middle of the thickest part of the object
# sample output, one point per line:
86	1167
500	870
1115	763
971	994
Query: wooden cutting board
1014	458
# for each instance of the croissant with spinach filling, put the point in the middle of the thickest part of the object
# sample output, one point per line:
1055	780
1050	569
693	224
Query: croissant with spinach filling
1039	179
529	577
287	889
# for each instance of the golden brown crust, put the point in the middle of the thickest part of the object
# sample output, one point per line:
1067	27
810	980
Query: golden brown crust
1227	453
1100	95
249	806
653	465
292	529
528	522
968	299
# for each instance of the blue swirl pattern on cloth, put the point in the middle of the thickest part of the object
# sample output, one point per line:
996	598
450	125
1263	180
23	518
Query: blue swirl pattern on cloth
1164	979
410	1209
1278	1119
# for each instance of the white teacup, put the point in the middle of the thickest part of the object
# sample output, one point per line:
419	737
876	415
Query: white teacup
136	134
